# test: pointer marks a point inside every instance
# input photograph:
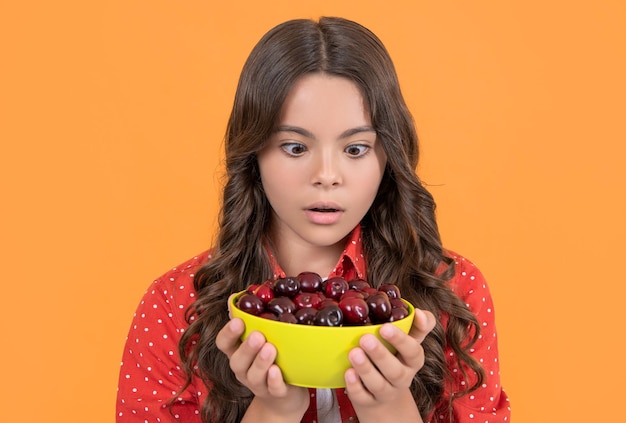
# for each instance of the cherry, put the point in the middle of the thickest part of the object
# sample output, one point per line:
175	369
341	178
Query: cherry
250	303
358	284
306	316
265	292
328	301
355	310
390	289
307	299
351	293
335	287
309	281
367	291
252	287
288	286
287	318
397	302
379	306
329	316
280	305
398	313
269	316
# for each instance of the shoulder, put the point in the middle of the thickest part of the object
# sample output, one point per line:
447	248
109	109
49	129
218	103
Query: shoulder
181	277
151	371
469	282
175	288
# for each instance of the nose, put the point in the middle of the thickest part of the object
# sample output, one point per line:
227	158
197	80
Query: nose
326	170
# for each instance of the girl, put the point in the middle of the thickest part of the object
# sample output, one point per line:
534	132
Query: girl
321	152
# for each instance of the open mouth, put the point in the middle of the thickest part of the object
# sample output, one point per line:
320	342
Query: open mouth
319	210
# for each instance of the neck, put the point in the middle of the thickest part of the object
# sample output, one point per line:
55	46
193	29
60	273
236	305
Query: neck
294	257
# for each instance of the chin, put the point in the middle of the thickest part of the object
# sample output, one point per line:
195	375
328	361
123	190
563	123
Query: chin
328	239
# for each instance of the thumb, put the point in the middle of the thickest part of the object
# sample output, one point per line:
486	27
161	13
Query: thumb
423	323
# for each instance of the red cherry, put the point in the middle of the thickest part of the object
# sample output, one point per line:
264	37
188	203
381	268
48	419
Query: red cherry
398	313
355	310
280	305
329	316
351	293
269	316
390	289
327	302
307	299
287	318
367	291
309	281
288	286
306	316
250	303
380	307
335	287
265	292
358	284
252	287
398	303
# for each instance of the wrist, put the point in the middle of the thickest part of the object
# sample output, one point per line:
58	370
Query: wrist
402	409
263	411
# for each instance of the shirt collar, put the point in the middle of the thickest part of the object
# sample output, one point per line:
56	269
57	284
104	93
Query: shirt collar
351	263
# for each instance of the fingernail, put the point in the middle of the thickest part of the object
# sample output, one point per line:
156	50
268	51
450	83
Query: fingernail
235	325
265	352
254	340
357	356
419	314
351	376
387	331
368	343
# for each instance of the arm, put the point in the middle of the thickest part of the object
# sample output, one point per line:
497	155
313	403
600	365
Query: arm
489	402
150	372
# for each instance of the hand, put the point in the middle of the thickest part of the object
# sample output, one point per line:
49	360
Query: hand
252	362
378	382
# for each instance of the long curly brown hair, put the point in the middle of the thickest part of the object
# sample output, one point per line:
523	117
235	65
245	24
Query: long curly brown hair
400	234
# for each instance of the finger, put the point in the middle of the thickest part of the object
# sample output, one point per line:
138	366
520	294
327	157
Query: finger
241	360
257	373
368	371
396	369
423	323
275	383
409	351
228	338
354	387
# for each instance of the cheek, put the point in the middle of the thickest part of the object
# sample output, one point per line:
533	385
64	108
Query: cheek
278	186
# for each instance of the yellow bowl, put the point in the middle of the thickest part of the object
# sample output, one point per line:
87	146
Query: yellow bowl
313	356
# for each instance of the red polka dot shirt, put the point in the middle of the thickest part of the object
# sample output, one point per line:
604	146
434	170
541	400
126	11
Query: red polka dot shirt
151	374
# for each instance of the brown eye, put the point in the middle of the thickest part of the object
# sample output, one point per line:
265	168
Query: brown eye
357	150
294	149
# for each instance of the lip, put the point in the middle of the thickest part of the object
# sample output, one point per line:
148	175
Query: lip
315	214
324	205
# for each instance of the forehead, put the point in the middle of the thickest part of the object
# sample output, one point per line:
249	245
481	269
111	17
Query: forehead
324	100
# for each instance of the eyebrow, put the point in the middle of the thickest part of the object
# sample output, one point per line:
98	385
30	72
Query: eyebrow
345	134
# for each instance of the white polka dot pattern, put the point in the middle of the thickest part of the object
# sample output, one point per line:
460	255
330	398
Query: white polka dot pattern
489	403
150	373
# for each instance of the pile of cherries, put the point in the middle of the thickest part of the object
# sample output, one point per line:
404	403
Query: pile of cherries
307	299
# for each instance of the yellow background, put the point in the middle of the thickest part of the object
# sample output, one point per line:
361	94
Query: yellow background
111	120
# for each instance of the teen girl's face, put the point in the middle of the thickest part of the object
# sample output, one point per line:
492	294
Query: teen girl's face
323	163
